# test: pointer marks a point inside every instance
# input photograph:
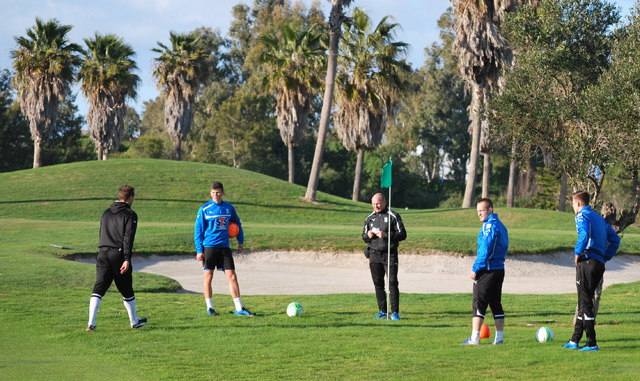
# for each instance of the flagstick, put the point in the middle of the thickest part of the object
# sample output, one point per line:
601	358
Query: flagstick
385	182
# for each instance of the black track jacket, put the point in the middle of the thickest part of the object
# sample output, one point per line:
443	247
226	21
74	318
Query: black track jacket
118	228
380	221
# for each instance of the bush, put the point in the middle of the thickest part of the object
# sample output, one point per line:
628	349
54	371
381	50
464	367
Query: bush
453	201
148	147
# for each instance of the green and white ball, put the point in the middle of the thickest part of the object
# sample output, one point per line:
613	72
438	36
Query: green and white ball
294	309
544	334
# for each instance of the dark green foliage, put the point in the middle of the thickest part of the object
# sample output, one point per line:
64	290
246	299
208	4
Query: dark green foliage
132	124
549	185
148	147
562	47
16	147
64	144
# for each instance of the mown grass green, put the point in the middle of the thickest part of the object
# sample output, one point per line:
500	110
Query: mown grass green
44	300
273	212
44	304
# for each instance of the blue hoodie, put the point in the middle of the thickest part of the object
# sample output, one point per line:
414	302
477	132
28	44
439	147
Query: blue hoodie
596	238
493	242
212	225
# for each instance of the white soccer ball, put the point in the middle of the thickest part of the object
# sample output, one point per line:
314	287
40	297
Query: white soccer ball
294	309
544	334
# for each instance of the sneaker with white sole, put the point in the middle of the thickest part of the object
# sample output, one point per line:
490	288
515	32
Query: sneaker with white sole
496	342
90	328
244	312
469	341
141	322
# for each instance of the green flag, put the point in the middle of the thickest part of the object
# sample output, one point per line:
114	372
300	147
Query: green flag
385	180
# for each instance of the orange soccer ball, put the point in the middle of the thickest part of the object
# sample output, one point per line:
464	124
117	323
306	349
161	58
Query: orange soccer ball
485	332
233	230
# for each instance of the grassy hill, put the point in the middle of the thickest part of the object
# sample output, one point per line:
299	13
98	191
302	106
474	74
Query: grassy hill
274	215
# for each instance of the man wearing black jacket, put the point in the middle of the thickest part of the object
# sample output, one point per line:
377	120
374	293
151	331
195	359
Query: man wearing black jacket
376	228
117	232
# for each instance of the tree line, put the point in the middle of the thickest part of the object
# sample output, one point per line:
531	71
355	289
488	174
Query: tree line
554	81
320	102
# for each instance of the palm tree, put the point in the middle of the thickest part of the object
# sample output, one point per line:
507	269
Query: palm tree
369	79
482	53
45	63
179	70
336	19
107	81
292	61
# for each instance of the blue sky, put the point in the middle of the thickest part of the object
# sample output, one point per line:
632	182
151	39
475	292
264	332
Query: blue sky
142	23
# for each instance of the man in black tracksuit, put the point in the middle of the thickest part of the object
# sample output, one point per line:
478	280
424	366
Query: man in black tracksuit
117	232
376	229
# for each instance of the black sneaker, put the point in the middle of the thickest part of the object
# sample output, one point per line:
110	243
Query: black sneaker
141	322
213	312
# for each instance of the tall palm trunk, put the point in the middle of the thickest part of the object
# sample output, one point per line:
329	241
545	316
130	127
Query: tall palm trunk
358	176
292	163
37	148
486	173
470	189
327	101
177	148
335	23
513	171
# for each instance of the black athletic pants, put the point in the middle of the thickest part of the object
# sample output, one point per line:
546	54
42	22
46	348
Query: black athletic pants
378	267
588	275
108	266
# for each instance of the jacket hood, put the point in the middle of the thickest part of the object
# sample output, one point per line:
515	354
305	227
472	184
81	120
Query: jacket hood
118	207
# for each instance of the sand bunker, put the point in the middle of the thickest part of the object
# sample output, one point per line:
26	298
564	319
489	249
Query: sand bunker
309	273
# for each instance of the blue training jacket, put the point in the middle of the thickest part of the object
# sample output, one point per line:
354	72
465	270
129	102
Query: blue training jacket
493	243
212	225
596	238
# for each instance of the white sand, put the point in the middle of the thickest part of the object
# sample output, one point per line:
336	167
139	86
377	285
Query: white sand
307	273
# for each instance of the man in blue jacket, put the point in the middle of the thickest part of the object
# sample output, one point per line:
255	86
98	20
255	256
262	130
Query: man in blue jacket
597	243
211	237
488	272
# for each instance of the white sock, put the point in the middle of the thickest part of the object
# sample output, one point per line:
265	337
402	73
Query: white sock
238	304
130	305
209	303
475	335
94	303
498	335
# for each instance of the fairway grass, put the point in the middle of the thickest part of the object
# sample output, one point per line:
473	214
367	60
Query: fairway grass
44	300
43	315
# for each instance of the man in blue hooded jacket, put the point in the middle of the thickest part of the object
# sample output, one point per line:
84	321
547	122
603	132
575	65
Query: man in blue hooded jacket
597	244
211	237
488	272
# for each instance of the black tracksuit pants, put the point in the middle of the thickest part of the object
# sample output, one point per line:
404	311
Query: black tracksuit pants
378	267
108	265
588	275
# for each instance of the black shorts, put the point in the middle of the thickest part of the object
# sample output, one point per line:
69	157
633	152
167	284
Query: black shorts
218	258
487	291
